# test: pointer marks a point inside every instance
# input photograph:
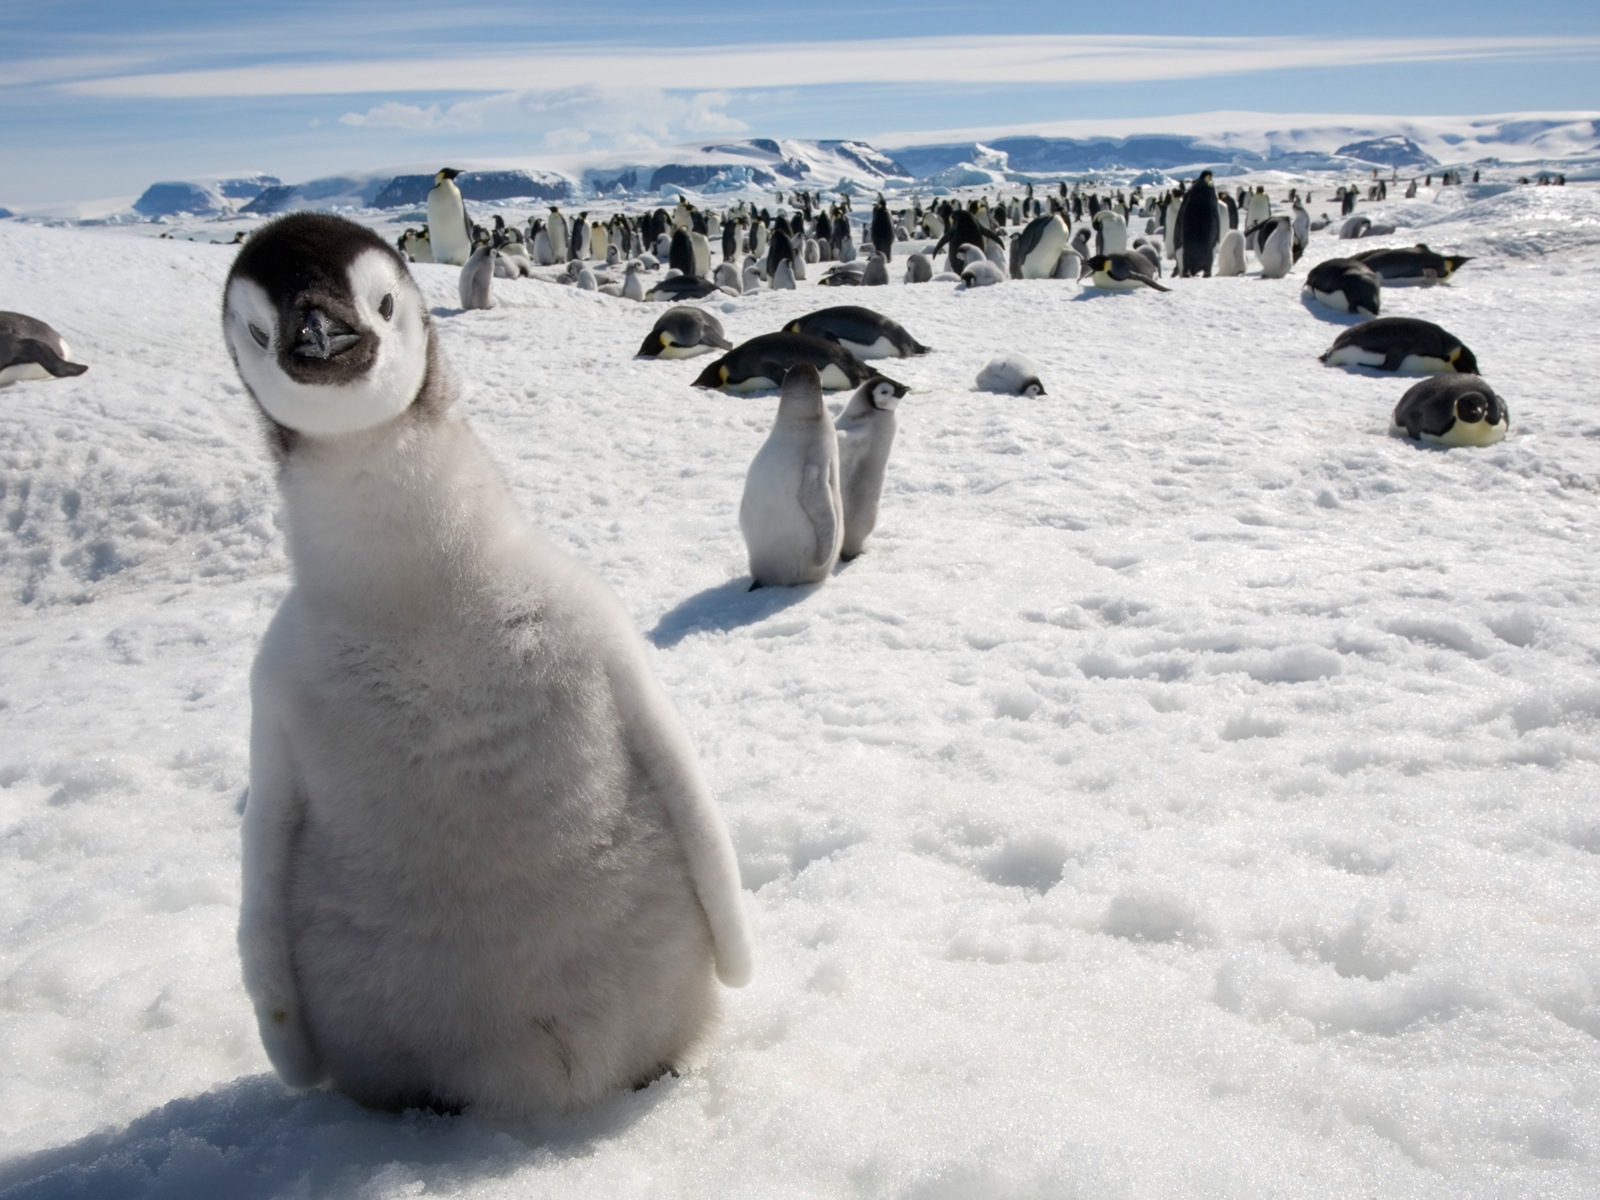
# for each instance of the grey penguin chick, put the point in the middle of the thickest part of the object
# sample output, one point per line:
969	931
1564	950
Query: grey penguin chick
1011	374
30	349
791	514
481	868
476	282
1452	410
866	430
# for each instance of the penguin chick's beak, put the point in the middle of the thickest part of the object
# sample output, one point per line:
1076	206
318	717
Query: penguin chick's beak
322	336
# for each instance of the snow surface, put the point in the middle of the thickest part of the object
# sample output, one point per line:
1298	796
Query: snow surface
1191	792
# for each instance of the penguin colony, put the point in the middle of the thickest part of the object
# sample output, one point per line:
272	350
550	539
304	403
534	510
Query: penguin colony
410	559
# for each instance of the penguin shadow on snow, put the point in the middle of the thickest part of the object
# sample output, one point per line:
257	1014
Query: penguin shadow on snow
725	607
1333	316
255	1138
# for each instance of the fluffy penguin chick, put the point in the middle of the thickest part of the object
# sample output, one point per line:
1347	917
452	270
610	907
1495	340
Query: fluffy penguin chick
866	432
1011	374
480	865
792	516
476	282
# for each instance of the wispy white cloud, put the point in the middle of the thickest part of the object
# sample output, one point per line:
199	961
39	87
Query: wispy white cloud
619	117
947	60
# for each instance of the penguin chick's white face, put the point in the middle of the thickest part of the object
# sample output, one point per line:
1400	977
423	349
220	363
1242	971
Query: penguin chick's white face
326	347
885	395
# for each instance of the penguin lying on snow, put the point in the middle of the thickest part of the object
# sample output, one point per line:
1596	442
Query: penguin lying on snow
30	349
1345	285
1011	374
762	362
481	867
1452	410
683	332
1411	264
864	333
1401	344
1121	272
682	287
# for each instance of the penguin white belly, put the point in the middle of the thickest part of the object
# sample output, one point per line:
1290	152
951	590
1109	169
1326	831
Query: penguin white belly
1102	280
834	379
19	372
1425	364
1353	356
673	350
447	229
1335	300
755	383
1041	261
882	348
486	964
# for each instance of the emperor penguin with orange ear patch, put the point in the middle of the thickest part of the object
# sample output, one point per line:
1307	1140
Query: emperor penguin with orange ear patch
481	867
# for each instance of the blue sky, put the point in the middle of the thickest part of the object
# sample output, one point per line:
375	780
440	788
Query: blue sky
100	99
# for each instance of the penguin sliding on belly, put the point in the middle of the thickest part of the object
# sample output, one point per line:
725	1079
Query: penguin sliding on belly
1403	344
864	333
1452	410
1121	272
481	867
30	349
1345	285
684	332
762	363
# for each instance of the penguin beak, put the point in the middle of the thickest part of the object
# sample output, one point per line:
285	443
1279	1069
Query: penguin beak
323	337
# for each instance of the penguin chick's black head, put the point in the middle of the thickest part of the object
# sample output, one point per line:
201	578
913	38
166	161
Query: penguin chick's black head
325	325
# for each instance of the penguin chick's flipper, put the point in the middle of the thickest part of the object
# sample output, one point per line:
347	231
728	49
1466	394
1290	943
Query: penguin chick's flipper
33	351
663	750
815	496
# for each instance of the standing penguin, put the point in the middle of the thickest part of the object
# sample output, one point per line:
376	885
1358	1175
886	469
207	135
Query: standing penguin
449	231
866	431
792	515
1199	228
481	868
1277	247
1230	253
476	282
882	229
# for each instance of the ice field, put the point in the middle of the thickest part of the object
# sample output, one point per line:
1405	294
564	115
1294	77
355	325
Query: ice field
1193	791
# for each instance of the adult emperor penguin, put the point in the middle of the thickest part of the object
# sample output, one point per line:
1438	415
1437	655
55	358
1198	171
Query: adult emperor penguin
1345	285
481	868
792	514
882	229
30	349
1199	228
762	363
449	231
866	430
684	331
1110	232
864	333
1038	248
1121	272
1401	344
1452	410
1411	264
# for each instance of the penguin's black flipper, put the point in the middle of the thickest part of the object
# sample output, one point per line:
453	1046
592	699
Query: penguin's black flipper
29	350
1148	282
1395	356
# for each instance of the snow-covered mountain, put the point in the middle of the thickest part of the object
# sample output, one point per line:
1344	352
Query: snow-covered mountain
1145	150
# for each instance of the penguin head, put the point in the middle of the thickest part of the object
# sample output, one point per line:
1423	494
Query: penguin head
444	174
1452	261
325	325
884	393
1464	361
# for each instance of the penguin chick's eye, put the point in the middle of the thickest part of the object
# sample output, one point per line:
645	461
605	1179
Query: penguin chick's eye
386	306
260	337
